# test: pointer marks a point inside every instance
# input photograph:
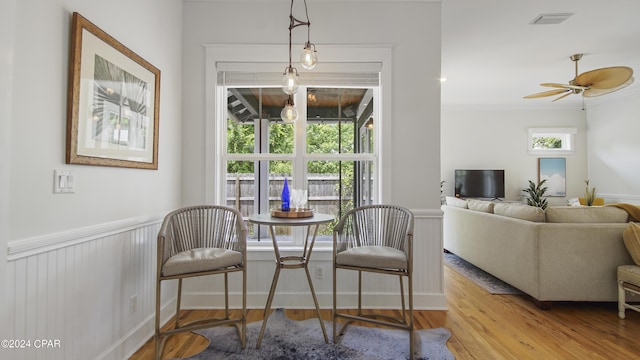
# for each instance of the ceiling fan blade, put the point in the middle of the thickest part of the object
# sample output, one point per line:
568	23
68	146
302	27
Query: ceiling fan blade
605	78
563	96
546	93
593	92
565	86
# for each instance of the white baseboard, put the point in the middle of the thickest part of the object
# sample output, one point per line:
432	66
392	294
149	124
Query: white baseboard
137	337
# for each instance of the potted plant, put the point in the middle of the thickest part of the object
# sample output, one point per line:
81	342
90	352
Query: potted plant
535	194
590	196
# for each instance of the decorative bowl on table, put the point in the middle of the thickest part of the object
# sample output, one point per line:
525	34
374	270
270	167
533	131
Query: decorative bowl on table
293	213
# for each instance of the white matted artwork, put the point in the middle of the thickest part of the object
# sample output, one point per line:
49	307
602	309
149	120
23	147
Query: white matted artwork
554	170
113	102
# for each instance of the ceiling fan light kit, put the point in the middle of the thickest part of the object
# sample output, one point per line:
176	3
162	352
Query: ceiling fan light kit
592	83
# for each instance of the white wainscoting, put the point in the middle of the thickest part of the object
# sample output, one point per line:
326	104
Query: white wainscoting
77	286
617	198
293	291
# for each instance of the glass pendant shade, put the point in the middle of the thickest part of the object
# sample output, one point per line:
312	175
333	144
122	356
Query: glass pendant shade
289	114
290	81
309	57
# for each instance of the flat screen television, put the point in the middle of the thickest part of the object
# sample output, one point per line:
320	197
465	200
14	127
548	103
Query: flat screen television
479	184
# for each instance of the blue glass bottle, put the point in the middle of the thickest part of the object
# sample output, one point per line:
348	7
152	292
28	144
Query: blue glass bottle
285	196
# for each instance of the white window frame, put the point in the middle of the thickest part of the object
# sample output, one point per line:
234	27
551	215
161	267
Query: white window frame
566	134
265	56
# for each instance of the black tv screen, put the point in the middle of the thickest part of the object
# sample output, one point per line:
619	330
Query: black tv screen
479	184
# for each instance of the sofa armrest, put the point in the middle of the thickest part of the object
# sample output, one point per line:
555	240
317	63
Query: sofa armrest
502	246
587	257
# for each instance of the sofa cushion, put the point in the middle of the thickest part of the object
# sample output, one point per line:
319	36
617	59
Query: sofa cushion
480	205
586	214
457	202
631	238
520	211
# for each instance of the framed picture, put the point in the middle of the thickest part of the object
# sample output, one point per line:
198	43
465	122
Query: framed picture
113	102
554	170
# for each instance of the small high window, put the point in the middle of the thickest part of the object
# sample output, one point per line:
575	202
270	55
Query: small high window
551	140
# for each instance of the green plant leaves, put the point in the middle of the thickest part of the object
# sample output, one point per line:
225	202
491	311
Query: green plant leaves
536	194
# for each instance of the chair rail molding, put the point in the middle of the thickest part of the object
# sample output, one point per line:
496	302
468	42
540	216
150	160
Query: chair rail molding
39	244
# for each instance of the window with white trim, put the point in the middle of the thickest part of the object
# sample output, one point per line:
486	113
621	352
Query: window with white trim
330	151
551	140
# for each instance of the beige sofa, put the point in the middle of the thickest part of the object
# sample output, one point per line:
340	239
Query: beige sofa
561	254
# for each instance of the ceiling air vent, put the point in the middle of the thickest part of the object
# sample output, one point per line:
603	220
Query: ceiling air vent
549	19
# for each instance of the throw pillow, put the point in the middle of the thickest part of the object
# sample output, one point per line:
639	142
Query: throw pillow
519	211
631	238
457	202
480	205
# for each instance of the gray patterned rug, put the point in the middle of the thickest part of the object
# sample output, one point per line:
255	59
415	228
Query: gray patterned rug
485	280
287	339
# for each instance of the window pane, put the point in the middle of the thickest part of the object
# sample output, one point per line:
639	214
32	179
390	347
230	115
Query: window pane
332	189
278	171
546	142
240	186
256	187
247	110
280	137
240	137
334	117
550	140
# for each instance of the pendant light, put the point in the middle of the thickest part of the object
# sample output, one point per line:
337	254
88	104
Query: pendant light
289	113
308	60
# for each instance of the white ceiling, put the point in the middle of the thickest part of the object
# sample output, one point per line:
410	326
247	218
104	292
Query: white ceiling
492	55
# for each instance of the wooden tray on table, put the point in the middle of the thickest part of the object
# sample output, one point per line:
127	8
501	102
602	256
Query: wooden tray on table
292	214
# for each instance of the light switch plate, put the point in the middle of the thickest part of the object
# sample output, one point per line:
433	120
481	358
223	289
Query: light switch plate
64	182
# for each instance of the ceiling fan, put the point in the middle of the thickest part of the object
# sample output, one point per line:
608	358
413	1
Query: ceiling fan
591	83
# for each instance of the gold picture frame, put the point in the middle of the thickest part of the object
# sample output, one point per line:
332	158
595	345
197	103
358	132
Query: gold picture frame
113	102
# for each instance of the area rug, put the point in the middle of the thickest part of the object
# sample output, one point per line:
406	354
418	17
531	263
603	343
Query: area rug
483	279
287	339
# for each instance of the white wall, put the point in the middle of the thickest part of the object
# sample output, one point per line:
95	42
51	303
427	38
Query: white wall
489	138
614	148
7	33
38	126
70	263
412	30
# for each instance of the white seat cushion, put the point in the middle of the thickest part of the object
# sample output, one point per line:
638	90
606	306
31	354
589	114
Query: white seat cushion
629	274
199	260
380	257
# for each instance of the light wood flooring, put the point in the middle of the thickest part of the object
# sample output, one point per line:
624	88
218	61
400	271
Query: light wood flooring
486	326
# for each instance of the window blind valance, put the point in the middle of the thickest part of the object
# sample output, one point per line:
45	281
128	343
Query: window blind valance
270	74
